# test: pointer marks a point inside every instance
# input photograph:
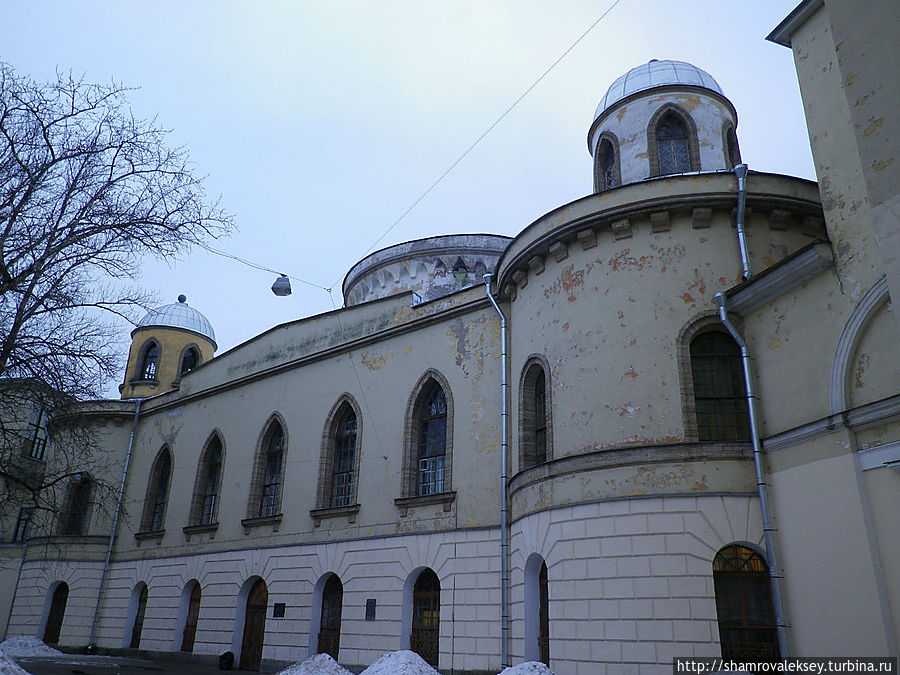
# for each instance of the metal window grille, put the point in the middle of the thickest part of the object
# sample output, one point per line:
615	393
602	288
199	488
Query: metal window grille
720	399
150	362
211	488
271	492
672	146
160	493
344	461
432	443
540	419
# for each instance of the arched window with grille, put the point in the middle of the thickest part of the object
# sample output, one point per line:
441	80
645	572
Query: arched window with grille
149	362
157	493
744	609
205	503
265	497
672	144
432	446
719	388
344	459
606	163
329	640
534	414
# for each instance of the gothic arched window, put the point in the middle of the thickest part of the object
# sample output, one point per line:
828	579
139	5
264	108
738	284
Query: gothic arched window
672	145
344	459
431	421
719	389
204	506
79	498
189	360
534	439
157	493
268	473
607	175
149	361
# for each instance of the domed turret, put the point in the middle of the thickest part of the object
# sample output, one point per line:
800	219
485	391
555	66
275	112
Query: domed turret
662	118
167	343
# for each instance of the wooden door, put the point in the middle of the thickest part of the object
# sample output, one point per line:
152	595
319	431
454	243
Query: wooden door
57	611
139	619
190	623
254	626
426	617
330	625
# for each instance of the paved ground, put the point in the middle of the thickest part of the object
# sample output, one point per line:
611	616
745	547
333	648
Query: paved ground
73	664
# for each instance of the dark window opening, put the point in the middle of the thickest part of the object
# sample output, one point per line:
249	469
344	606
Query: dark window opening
426	617
23	526
189	361
138	626
190	623
744	608
330	625
57	612
544	618
274	454
719	390
344	461
606	163
75	518
213	469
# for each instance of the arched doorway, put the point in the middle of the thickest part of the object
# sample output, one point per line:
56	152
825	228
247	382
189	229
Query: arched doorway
743	590
426	617
330	625
57	611
537	610
138	625
190	621
254	626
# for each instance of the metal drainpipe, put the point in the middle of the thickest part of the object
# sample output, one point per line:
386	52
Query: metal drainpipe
504	508
115	524
741	172
761	484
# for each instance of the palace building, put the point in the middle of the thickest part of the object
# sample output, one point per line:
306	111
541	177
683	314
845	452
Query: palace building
335	484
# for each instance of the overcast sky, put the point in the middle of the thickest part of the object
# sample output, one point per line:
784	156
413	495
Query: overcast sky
320	122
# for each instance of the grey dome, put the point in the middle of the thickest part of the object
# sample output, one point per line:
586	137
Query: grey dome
656	74
179	315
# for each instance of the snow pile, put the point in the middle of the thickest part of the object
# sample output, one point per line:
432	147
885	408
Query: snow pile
528	668
320	664
8	666
400	663
26	645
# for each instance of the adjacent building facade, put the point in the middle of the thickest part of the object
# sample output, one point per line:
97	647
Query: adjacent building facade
334	484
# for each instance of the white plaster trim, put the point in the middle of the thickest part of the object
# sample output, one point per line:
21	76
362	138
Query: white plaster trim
780	279
862	417
871	302
883	455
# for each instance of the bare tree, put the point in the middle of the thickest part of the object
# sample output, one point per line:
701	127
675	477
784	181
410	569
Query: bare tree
86	192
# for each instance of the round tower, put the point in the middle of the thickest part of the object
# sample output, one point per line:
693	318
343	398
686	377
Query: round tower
662	118
167	343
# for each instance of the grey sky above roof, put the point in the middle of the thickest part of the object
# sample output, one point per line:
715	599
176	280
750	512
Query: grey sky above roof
656	74
320	122
179	315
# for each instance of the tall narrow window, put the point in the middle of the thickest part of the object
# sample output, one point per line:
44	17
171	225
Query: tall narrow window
77	502
672	145
149	361
719	390
606	170
189	360
209	474
544	611
273	449
432	442
534	439
23	526
157	493
344	462
744	608
36	446
426	617
733	154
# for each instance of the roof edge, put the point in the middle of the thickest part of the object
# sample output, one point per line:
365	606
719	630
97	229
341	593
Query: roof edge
781	34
